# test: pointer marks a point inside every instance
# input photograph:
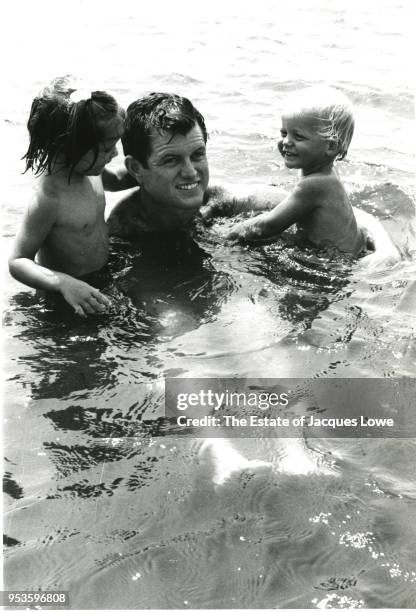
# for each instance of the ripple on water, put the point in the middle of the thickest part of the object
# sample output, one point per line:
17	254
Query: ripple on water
123	516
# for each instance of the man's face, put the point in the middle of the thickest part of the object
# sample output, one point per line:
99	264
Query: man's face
177	173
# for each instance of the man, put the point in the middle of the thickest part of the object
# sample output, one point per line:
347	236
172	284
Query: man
165	148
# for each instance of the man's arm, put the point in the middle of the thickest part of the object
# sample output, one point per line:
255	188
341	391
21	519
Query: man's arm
231	200
37	224
117	180
301	202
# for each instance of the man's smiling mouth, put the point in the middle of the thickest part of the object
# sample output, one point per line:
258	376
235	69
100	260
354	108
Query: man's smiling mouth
188	186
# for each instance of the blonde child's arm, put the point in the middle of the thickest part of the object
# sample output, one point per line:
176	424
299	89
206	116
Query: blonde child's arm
36	225
301	202
117	180
231	200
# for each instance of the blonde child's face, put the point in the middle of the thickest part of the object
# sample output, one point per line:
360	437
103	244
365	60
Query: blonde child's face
107	150
300	144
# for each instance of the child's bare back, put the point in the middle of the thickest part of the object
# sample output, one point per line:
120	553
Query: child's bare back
331	220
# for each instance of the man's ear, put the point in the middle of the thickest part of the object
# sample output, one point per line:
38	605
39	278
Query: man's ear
134	168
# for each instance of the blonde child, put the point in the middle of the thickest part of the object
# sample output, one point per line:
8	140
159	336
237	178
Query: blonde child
63	236
316	130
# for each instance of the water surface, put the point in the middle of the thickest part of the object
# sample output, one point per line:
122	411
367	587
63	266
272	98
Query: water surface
101	499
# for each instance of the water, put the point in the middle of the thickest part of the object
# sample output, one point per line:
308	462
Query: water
96	502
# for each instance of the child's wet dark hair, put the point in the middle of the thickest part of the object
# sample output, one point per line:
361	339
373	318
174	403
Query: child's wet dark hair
60	127
160	111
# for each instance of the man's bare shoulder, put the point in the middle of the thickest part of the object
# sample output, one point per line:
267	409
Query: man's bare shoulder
127	205
120	219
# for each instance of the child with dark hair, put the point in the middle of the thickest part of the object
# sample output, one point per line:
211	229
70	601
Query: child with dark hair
63	237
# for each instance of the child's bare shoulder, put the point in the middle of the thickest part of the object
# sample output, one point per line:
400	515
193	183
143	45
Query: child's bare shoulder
320	186
47	195
319	181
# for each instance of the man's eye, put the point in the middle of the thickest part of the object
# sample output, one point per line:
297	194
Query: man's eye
169	161
199	155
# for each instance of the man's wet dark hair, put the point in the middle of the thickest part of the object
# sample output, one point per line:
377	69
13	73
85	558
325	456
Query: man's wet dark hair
61	128
160	111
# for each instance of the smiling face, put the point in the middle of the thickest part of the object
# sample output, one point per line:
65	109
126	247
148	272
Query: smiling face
300	144
107	150
177	172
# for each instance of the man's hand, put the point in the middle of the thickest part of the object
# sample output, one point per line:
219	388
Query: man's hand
83	298
117	180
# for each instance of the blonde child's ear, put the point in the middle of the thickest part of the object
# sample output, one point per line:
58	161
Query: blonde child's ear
133	167
333	146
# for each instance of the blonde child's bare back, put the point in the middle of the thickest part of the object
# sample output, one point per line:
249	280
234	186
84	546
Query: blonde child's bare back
329	219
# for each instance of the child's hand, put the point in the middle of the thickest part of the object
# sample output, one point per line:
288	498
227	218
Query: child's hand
83	298
236	235
245	231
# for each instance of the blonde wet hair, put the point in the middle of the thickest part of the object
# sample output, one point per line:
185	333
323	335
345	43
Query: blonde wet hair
332	110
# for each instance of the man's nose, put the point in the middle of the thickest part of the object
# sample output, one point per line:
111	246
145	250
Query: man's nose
188	169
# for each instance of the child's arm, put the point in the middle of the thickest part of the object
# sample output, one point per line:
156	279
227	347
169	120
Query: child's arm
117	180
231	200
300	203
37	224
